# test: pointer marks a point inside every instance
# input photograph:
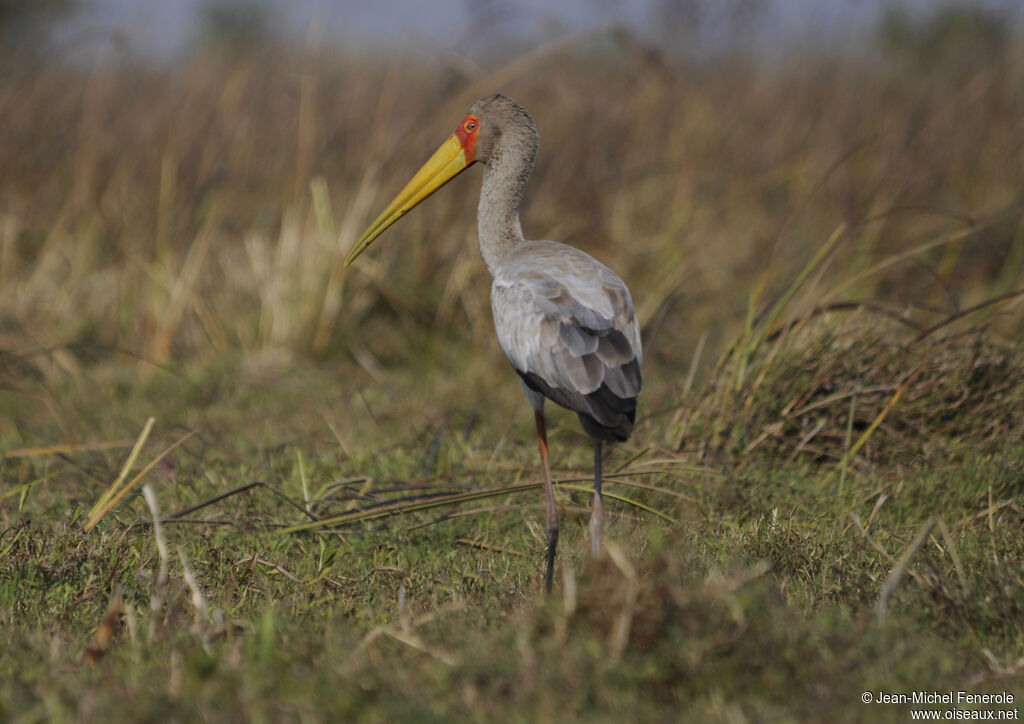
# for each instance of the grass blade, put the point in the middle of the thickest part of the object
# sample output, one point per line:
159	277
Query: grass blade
103	503
96	516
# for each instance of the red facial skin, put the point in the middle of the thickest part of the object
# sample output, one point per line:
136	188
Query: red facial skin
467	136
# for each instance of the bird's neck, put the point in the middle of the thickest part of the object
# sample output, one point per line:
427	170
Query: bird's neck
505	177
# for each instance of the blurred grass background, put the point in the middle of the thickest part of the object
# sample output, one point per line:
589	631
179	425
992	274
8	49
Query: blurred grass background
178	213
171	239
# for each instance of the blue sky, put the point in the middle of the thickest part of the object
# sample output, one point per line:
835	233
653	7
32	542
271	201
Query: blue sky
160	29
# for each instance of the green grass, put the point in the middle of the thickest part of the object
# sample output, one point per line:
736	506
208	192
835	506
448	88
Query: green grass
823	502
762	601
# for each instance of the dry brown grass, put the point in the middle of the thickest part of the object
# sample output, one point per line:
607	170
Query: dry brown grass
177	214
866	385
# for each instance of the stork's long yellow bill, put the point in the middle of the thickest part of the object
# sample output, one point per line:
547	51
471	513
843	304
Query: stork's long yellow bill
446	163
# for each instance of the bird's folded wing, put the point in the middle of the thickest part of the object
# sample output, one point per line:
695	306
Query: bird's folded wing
571	327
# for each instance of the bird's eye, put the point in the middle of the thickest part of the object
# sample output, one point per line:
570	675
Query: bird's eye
471	126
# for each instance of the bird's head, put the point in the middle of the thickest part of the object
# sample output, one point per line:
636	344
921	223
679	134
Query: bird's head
480	136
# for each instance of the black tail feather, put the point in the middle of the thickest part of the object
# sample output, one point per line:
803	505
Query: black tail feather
604	415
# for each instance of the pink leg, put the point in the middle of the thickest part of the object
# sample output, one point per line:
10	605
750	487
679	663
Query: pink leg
597	516
549	494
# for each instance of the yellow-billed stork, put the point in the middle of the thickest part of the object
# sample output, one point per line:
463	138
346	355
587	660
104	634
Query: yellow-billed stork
564	320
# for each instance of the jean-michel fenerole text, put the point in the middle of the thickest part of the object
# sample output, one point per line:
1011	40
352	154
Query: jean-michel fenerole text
943	697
